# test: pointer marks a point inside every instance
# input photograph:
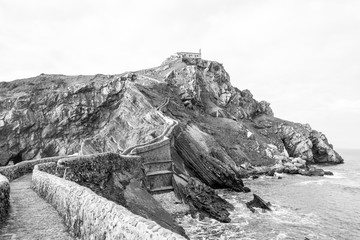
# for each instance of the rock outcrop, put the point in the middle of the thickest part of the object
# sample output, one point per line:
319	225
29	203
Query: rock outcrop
201	198
221	128
52	115
258	202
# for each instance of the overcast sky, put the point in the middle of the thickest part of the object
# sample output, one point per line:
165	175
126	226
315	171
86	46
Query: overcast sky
301	56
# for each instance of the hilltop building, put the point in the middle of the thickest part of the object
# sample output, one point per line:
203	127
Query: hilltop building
189	54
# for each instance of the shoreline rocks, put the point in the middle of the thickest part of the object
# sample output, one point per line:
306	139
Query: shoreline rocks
258	202
202	199
289	166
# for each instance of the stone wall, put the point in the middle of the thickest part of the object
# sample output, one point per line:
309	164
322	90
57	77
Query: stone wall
159	151
51	168
90	216
95	170
117	178
25	167
4	196
97	162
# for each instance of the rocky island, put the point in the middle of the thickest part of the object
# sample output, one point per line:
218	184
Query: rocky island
133	138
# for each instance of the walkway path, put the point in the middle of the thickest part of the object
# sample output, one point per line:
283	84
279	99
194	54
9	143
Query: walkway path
31	217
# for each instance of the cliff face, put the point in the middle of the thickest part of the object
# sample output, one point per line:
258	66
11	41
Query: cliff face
53	115
221	132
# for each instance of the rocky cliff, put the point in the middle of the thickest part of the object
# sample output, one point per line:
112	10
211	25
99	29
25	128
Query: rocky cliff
223	132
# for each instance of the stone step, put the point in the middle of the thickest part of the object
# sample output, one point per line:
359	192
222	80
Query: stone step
162	189
157	162
157	166
162	172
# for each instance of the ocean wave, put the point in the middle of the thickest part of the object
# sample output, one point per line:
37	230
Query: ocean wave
353	189
281	236
319	182
337	175
290	217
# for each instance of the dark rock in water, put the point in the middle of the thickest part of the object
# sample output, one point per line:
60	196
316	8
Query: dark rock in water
279	177
246	189
254	177
259	203
291	170
201	197
271	173
328	173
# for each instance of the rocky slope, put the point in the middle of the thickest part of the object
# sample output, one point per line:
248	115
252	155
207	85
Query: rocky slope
223	132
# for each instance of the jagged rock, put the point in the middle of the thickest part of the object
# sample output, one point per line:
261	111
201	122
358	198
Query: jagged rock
258	202
323	151
191	147
206	201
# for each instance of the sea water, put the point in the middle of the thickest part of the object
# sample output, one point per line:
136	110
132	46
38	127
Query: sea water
303	207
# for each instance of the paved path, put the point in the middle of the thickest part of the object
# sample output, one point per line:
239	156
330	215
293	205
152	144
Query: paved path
31	217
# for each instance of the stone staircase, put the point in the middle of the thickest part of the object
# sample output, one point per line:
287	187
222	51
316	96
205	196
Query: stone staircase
158	168
158	176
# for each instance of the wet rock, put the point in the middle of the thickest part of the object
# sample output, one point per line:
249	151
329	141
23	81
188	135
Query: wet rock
258	203
312	171
271	173
203	199
291	170
328	173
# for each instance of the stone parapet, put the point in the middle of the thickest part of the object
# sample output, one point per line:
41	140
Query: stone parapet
157	151
90	216
4	196
94	168
25	167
